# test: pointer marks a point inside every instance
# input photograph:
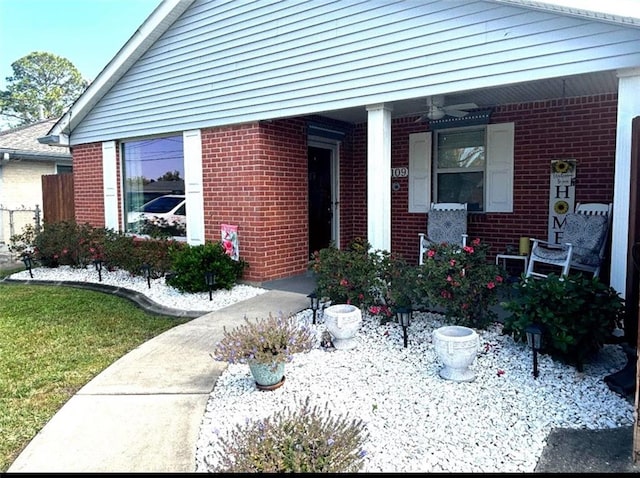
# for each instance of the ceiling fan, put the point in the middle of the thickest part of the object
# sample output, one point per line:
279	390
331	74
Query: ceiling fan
436	109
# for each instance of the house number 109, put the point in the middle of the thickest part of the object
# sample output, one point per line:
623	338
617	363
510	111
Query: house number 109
399	172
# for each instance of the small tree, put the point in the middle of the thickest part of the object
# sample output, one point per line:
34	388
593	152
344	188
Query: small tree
43	85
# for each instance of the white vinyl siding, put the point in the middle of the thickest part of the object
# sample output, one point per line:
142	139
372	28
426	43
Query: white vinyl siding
110	185
193	186
498	175
233	62
419	172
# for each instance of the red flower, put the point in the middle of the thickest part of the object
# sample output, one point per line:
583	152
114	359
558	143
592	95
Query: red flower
499	279
476	241
344	283
468	249
491	285
431	253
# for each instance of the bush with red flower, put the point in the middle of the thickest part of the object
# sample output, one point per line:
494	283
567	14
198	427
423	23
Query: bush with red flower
354	275
462	281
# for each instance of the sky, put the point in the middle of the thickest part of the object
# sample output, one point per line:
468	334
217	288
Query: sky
89	33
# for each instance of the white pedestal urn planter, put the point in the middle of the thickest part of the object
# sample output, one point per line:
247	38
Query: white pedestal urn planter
343	322
456	347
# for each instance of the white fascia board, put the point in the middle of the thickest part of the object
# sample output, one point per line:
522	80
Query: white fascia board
153	27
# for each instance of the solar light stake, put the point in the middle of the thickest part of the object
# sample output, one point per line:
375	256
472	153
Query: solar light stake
315	304
28	263
98	264
403	315
534	340
210	279
146	268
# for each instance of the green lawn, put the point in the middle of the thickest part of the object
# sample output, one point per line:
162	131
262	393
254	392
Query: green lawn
53	340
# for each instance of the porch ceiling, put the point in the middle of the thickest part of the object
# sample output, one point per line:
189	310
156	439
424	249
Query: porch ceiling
578	85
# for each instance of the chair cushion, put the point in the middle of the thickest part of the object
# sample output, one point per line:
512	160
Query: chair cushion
447	225
558	253
587	233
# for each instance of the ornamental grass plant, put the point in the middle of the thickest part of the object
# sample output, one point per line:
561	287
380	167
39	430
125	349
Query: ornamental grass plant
301	440
269	341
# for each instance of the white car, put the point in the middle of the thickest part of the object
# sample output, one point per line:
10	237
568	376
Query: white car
170	208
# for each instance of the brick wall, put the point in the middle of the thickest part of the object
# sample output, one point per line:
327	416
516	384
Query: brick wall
580	128
255	177
87	184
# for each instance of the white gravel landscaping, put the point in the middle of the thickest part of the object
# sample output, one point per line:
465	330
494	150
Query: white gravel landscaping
417	421
159	292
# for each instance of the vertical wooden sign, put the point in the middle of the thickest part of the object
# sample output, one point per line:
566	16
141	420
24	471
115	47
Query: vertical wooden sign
562	192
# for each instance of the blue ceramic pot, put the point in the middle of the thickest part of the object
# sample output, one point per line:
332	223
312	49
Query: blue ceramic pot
267	376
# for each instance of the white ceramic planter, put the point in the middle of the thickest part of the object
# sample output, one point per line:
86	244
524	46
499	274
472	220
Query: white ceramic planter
343	322
457	348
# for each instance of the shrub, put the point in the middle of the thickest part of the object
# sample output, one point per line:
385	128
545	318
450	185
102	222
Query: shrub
577	314
62	243
462	281
22	244
190	263
304	440
78	245
268	341
351	276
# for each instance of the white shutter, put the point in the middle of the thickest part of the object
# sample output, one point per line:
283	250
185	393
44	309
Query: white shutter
110	185
499	182
419	172
192	145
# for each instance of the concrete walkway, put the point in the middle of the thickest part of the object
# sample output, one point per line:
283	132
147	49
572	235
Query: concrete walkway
143	413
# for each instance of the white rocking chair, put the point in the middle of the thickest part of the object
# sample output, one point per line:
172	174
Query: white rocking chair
584	242
446	223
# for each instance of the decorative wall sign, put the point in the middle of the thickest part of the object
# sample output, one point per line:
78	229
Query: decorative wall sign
562	192
230	240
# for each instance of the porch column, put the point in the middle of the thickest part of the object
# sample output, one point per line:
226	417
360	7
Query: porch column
628	108
379	176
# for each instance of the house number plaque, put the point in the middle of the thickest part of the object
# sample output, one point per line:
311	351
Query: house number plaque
399	172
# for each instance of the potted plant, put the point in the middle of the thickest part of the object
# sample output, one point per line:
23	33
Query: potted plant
265	345
577	314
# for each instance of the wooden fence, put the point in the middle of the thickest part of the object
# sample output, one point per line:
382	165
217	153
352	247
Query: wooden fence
57	198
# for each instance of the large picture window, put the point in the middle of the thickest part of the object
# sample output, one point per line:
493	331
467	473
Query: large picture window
460	161
153	185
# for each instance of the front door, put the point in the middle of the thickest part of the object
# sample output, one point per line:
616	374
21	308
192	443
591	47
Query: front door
320	198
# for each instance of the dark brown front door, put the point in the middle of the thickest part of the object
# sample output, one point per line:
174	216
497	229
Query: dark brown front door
320	211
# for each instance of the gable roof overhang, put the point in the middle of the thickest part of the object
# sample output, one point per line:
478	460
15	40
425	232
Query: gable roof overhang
170	10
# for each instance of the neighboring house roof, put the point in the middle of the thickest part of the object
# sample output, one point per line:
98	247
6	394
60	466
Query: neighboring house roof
169	11
22	143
